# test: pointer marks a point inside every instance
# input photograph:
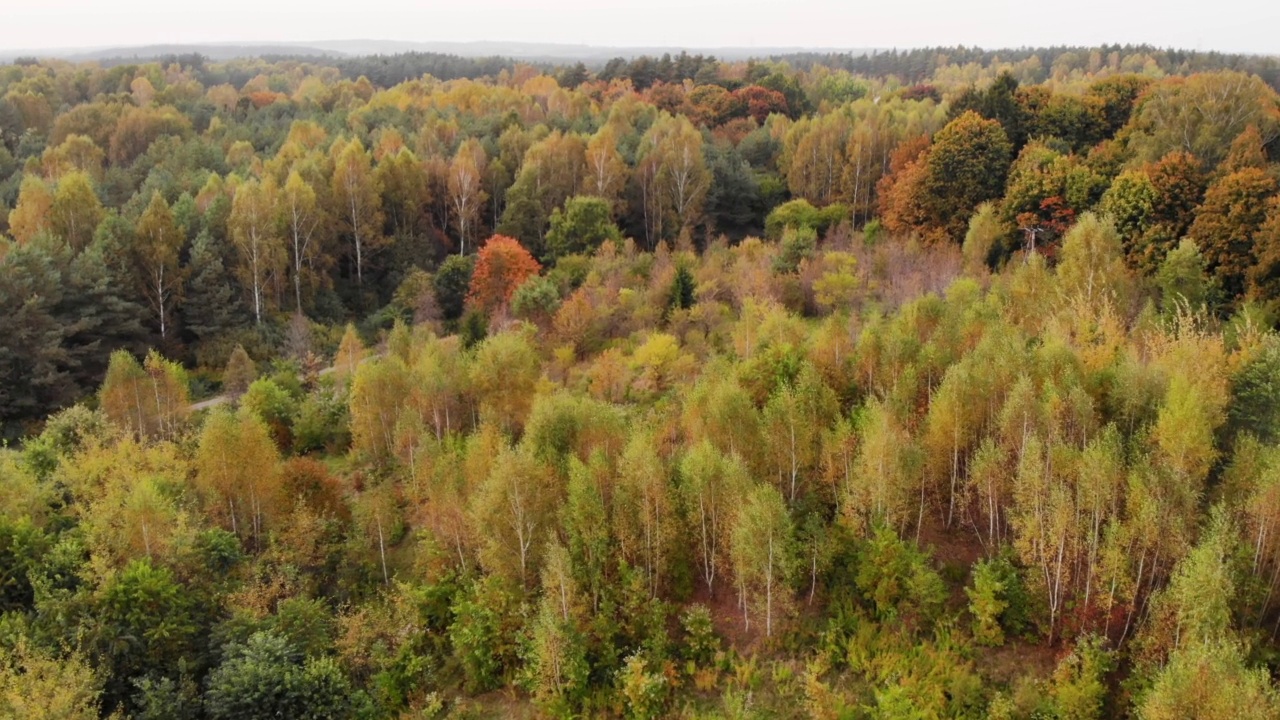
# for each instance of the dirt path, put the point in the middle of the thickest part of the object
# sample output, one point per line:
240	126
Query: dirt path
217	400
211	402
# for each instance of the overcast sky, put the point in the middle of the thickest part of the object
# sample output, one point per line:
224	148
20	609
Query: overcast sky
1229	25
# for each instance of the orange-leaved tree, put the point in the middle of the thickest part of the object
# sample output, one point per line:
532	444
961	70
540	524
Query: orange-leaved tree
501	266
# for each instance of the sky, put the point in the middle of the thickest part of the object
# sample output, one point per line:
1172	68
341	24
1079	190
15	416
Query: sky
1226	25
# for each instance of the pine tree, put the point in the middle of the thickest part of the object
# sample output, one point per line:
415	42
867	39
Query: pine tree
240	373
34	361
100	316
682	288
212	308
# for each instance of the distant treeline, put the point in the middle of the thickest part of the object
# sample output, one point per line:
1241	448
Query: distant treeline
910	67
917	65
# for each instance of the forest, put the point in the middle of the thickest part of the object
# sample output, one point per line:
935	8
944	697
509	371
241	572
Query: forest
928	384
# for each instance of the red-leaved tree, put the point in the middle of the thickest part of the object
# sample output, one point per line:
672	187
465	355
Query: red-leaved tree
501	266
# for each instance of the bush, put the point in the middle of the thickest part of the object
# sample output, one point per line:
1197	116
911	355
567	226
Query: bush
485	633
700	641
896	578
987	603
585	223
267	678
273	405
536	299
570	272
645	690
451	281
801	214
473	328
322	423
798	243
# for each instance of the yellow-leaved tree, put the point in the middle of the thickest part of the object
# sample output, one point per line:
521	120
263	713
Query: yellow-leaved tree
237	471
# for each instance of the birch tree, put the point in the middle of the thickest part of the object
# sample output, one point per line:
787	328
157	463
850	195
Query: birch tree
763	556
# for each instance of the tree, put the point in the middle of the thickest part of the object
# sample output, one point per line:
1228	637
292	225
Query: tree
1092	265
155	258
1180	182
712	487
132	519
734	203
951	429
515	503
451	283
965	166
503	376
1198	605
558	670
986	233
1043	516
376	521
677	145
552	172
1209	681
838	286
148	400
465	191
763	555
38	686
100	314
484	631
880	488
1183	279
1202	115
139	127
1047	189
1079	682
1233	211
302	220
356	193
34	361
403	180
76	153
144	623
815	150
644	510
606	172
1248	150
379	390
761	102
900	192
986	603
585	223
587	527
31	214
240	373
75	211
351	352
502	265
260	249
237	470
1001	103
266	677
896	578
536	300
1130	203
794	417
212	307
1264	276
683	289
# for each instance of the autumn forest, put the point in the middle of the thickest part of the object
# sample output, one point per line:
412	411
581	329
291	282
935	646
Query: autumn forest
941	383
